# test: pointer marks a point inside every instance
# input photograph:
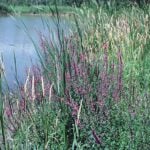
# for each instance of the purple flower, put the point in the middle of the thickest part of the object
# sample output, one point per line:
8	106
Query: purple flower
8	112
76	69
96	137
105	45
82	57
68	77
22	105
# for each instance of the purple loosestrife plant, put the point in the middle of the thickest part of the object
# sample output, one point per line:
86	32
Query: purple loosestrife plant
96	80
8	111
95	83
96	137
119	86
16	113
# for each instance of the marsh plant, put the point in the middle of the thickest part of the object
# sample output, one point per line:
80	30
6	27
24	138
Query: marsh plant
91	90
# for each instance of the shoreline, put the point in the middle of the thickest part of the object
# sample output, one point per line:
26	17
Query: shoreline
38	10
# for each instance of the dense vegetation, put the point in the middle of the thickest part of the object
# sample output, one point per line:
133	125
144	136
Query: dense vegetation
73	2
42	6
93	90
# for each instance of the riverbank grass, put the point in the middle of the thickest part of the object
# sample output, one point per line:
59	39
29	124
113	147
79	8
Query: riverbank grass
42	9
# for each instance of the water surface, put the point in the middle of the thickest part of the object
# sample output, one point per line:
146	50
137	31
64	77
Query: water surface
16	46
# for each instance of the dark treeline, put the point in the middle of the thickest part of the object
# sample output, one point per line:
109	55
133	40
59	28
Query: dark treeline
77	3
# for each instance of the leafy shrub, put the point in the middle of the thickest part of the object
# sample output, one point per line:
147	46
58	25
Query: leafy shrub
4	9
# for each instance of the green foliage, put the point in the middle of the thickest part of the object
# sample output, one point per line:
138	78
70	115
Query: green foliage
45	128
42	9
4	9
78	3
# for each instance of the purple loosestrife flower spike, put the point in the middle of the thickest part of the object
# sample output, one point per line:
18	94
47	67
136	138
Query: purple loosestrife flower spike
8	111
97	139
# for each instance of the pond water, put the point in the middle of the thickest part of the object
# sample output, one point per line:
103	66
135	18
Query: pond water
16	45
